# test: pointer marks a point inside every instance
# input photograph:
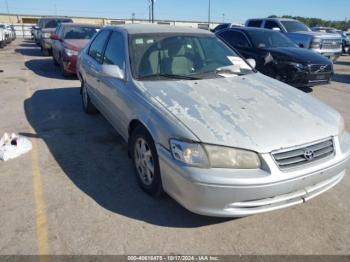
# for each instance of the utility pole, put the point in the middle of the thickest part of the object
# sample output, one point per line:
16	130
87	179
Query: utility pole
8	11
223	17
133	17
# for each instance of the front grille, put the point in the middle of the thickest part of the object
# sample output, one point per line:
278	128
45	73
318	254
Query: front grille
331	44
317	69
304	155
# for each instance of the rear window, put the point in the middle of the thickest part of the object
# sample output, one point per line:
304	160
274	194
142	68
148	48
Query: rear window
53	23
80	32
254	23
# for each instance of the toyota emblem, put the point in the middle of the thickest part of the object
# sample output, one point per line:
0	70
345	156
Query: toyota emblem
309	155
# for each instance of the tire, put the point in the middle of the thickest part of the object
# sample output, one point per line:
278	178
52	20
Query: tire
145	161
88	106
45	51
55	61
2	44
64	73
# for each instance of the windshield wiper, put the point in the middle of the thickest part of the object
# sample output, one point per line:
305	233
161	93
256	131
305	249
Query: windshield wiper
170	76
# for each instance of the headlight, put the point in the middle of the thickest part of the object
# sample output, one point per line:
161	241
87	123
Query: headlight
297	65
226	157
205	156
341	129
191	154
70	52
46	35
315	43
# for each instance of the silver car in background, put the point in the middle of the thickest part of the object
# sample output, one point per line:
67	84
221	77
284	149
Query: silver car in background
205	127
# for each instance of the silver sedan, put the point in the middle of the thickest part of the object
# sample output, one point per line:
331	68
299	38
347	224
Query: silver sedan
205	127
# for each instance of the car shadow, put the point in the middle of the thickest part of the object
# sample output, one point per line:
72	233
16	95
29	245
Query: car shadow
29	44
341	78
306	89
33	51
345	63
94	157
46	68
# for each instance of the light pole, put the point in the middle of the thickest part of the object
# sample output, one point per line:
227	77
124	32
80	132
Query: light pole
151	10
209	14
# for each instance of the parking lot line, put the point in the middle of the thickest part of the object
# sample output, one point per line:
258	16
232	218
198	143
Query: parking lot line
41	219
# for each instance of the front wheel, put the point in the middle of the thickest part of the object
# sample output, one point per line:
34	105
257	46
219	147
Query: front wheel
145	161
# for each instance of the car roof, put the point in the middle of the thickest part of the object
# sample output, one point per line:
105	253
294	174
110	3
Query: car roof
80	25
247	29
152	28
273	18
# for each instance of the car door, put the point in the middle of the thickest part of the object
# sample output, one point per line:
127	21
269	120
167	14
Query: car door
114	91
237	40
92	66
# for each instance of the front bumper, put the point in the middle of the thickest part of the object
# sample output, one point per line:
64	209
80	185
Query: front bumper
302	77
237	193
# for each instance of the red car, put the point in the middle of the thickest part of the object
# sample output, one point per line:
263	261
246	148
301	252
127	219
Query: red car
68	40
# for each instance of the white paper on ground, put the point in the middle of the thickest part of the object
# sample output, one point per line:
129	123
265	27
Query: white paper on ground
9	151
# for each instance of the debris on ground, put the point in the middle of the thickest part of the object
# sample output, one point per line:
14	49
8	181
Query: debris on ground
12	146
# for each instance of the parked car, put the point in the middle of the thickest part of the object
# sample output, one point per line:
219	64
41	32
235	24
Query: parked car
225	26
67	41
2	36
343	35
202	125
47	26
7	33
329	45
278	57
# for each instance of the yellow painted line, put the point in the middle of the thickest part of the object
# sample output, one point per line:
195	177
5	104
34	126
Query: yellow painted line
41	219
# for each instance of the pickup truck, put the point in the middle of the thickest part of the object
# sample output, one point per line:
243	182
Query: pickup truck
46	27
329	45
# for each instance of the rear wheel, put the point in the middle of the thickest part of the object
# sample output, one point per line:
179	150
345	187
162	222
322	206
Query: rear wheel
145	161
88	106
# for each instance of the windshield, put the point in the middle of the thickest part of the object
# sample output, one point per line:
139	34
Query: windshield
53	23
80	32
166	55
295	26
269	39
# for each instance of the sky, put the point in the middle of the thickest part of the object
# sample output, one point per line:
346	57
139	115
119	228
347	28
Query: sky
197	10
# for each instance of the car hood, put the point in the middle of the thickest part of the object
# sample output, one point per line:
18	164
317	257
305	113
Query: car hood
319	34
300	55
252	112
76	44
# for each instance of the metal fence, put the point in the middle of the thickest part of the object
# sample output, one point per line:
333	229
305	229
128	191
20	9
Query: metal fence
23	30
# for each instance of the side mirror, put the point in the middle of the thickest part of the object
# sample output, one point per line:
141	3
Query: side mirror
301	45
113	71
251	62
276	29
55	37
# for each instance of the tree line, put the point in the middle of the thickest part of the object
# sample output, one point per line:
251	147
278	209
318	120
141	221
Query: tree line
312	22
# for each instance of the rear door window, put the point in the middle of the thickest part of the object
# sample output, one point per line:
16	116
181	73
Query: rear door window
254	23
235	38
97	46
271	24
